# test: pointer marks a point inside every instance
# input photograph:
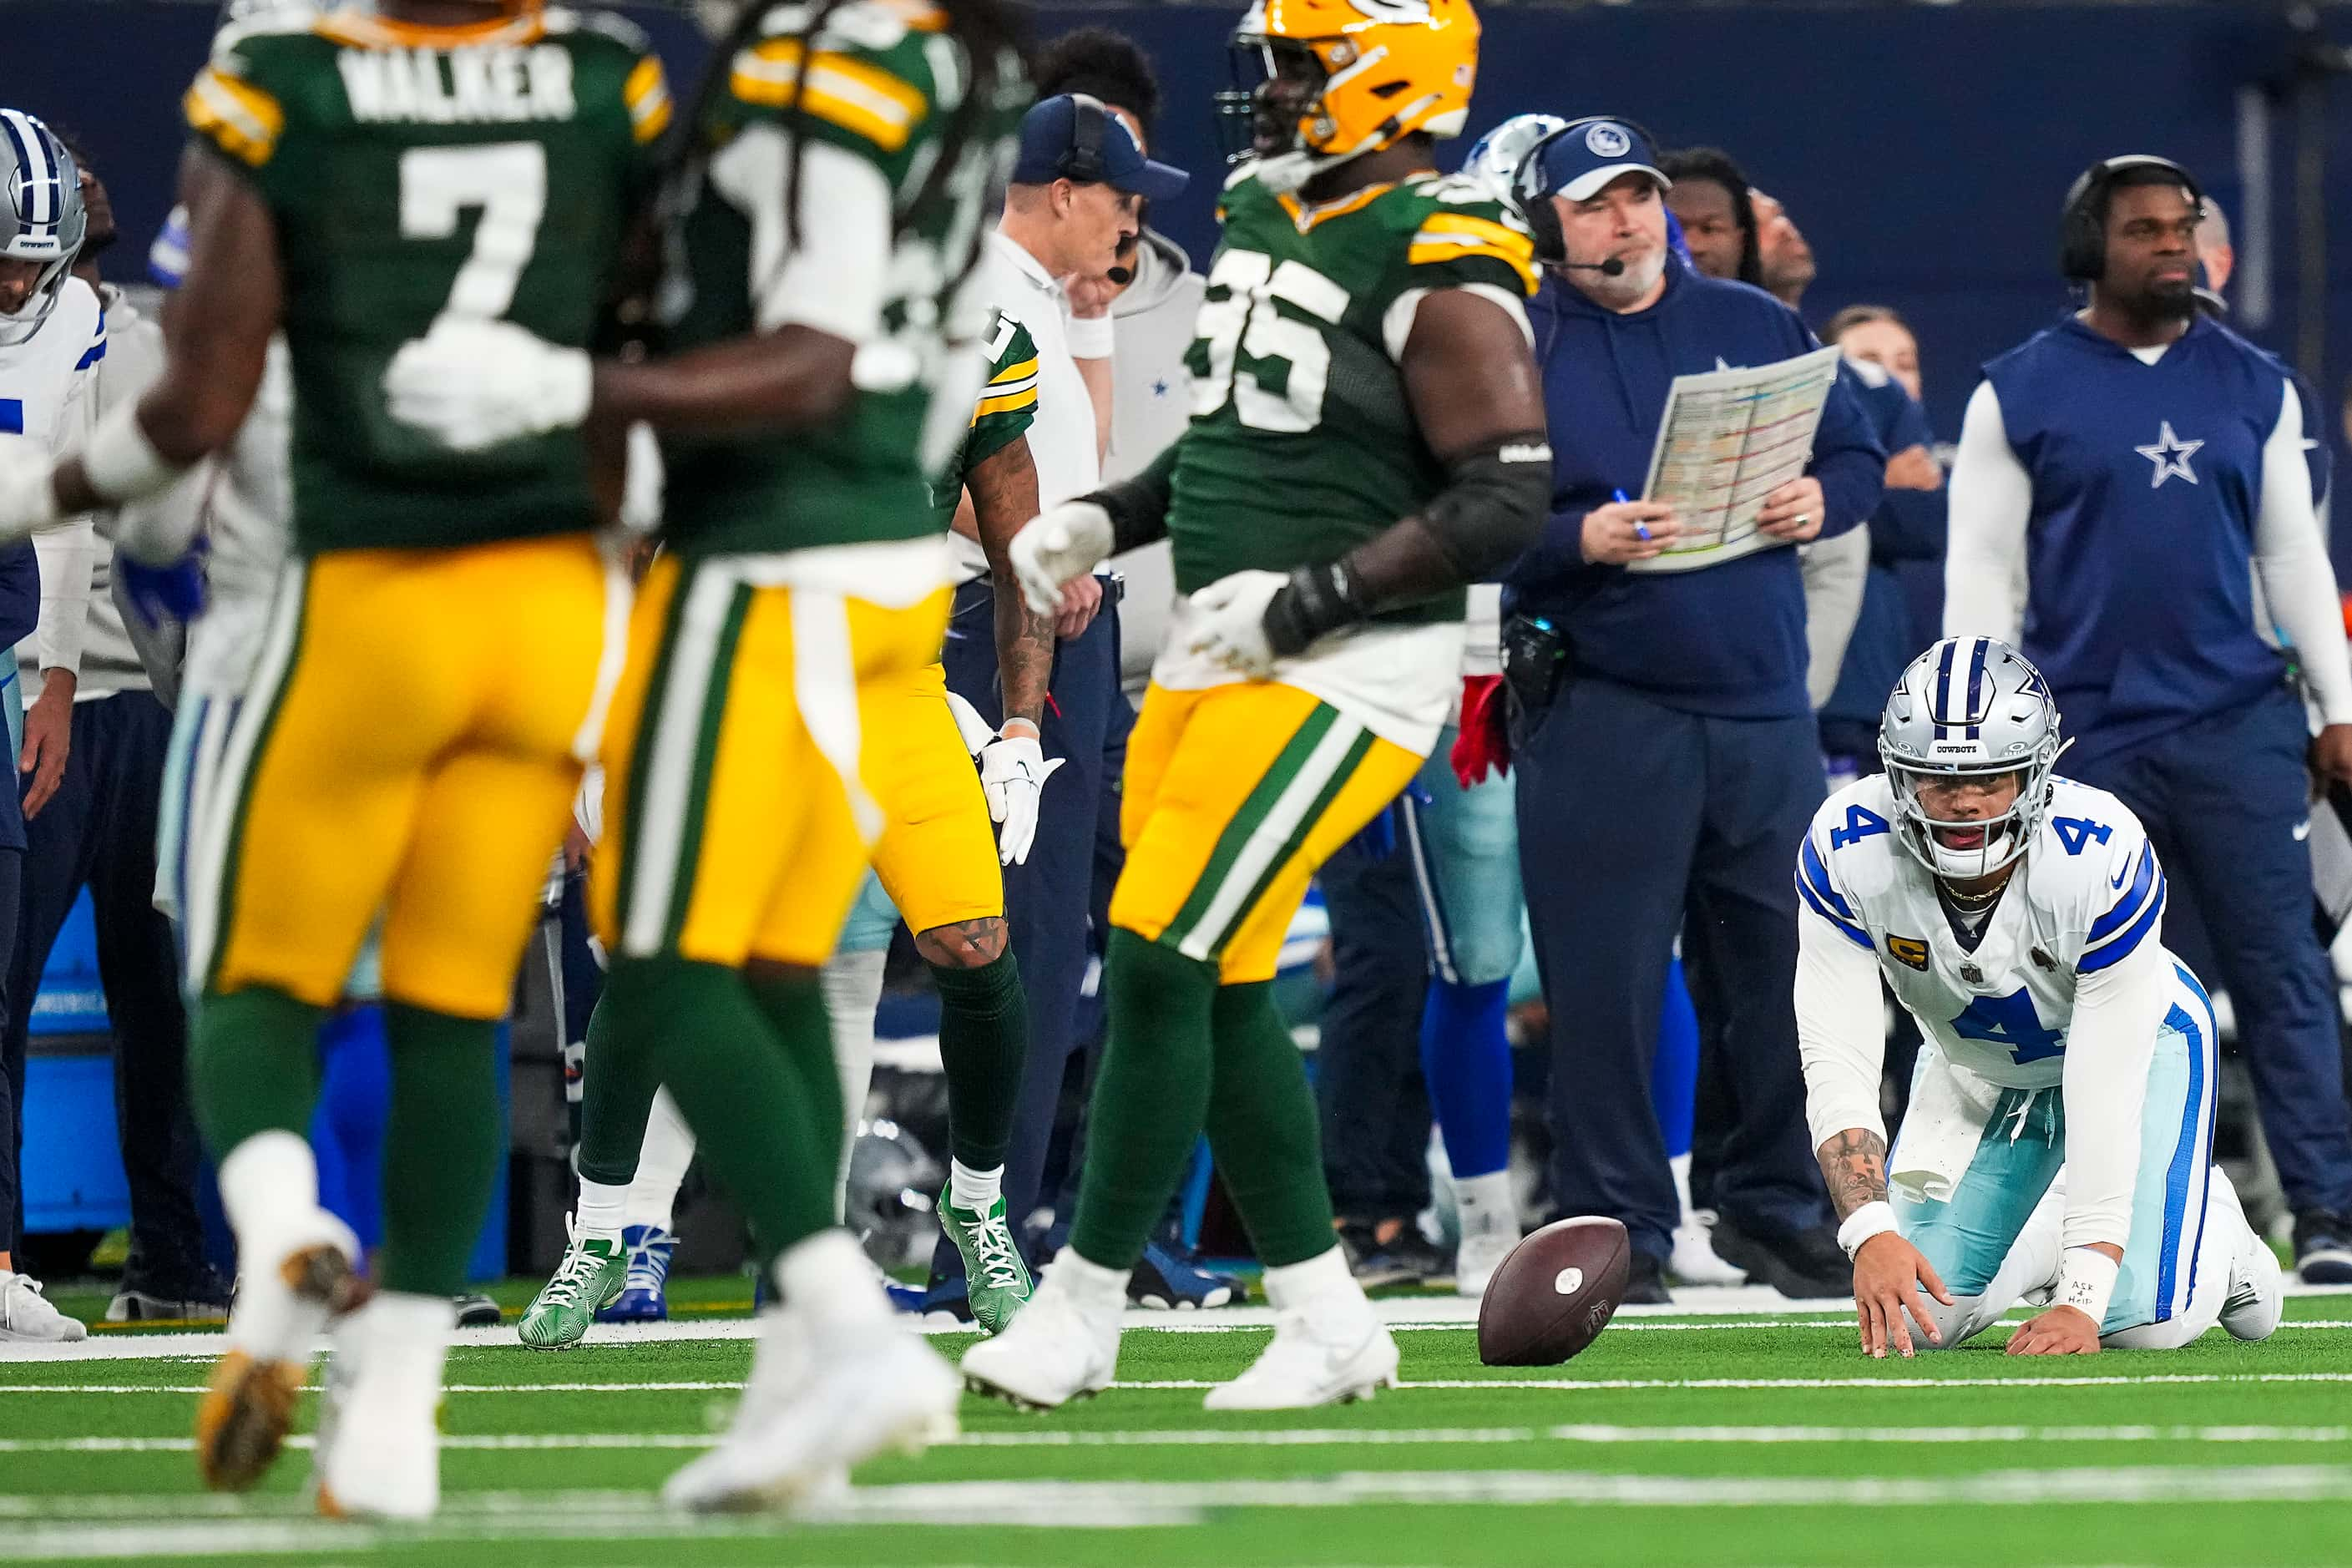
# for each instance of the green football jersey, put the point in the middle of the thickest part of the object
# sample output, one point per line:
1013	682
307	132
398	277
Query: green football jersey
415	175
1302	443
1007	407
864	129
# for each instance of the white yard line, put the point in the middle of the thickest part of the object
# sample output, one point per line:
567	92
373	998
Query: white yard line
1315	1436
167	1529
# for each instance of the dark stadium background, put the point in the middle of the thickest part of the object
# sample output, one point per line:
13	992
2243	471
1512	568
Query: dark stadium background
1922	148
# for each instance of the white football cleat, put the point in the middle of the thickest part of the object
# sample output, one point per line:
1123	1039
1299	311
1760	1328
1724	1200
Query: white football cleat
1058	1349
289	1292
851	1390
2257	1297
27	1316
1693	1260
383	1457
1330	1351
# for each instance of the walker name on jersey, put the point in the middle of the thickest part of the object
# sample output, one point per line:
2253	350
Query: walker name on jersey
481	86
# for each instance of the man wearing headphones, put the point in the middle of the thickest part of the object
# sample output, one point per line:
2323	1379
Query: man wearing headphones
1667	763
1071	212
2123	478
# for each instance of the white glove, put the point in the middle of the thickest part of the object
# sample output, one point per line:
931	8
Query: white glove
28	499
1230	621
1013	775
471	384
1059	544
969	725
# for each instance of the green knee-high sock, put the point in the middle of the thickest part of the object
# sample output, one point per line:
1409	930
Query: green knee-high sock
1263	1130
442	1147
1152	1093
983	1038
767	1130
253	1065
792	1001
618	1086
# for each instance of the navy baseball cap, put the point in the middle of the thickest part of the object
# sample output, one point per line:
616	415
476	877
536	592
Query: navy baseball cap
1580	160
1055	137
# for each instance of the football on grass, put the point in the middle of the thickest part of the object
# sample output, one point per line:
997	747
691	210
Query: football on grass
1554	1294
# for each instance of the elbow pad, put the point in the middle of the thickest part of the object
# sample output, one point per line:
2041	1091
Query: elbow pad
1494	505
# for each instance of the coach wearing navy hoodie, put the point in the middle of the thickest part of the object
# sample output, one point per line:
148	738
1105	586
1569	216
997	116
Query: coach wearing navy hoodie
1667	761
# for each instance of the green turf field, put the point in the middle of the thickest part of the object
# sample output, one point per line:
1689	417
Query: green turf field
1673	1440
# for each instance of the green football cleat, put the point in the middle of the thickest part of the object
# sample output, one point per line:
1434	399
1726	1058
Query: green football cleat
993	1272
592	1272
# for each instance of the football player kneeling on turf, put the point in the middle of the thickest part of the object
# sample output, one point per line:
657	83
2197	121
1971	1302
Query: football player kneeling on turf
2059	1144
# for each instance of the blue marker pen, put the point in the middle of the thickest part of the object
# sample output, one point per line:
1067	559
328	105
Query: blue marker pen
1641	530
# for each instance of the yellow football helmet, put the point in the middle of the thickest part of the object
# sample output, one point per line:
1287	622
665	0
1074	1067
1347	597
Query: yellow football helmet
1317	82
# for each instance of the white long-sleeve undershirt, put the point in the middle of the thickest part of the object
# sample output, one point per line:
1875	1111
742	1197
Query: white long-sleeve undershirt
2110	1040
1992	498
1841	1031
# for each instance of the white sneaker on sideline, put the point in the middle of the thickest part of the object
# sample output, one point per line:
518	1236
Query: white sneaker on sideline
28	1317
1477	1256
1331	1351
846	1393
1058	1349
1693	1260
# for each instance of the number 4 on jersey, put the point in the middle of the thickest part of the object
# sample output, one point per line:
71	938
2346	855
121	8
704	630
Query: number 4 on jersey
2075	832
2009	1021
1859	825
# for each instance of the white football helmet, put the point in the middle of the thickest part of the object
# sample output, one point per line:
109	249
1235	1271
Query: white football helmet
1969	705
41	217
1494	161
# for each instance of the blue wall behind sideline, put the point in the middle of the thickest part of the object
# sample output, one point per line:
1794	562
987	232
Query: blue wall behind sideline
1922	149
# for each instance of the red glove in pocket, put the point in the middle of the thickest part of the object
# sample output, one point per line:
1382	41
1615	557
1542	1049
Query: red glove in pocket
1485	743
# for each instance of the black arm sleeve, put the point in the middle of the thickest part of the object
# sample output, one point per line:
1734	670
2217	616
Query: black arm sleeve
1491	511
1139	506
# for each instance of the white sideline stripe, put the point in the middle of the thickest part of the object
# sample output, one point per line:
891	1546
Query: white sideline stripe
1597	1384
1310	1438
1401	1314
724	1386
1130	1504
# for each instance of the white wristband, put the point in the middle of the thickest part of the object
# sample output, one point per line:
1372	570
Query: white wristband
2087	1281
1871	1219
1089	337
122	463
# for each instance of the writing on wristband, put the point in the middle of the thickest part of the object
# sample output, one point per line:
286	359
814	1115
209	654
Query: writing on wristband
1871	1219
2087	1281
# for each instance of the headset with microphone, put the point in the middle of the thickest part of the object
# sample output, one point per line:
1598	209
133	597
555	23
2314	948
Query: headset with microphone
1084	162
2082	236
1534	203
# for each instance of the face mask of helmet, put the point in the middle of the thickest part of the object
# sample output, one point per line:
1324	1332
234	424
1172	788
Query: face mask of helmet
1277	84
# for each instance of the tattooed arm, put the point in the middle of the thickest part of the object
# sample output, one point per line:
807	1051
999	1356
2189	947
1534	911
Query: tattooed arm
1003	493
1853	1163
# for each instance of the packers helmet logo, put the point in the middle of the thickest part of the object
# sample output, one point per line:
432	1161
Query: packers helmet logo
1392	10
1909	950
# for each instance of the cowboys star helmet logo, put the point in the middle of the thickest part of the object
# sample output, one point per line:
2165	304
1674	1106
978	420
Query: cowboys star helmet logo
1606	141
